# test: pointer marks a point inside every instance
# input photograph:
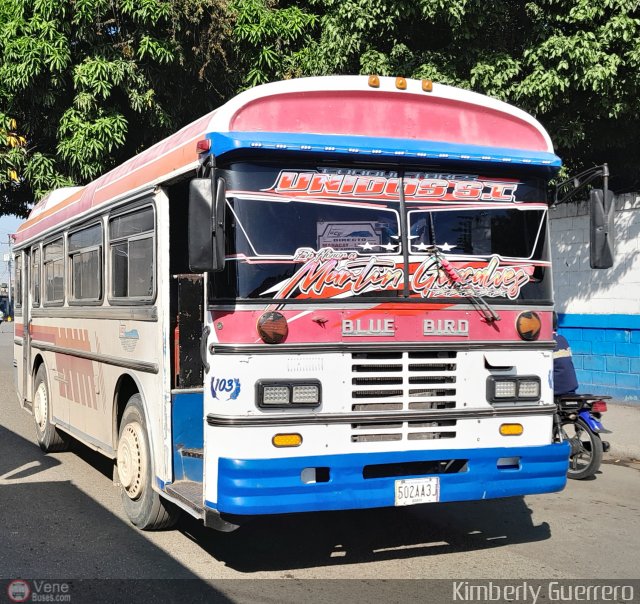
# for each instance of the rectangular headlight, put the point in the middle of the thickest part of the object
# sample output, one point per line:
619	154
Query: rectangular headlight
529	389
275	395
306	394
288	394
513	388
505	389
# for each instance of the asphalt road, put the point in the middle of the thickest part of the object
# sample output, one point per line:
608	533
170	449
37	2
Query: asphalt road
60	517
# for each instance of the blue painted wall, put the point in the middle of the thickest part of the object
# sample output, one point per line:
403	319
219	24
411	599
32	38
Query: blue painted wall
606	353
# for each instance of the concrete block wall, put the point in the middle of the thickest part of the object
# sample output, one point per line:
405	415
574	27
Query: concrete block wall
599	310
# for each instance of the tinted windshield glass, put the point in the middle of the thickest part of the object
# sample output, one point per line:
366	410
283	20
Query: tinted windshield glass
505	232
267	228
326	233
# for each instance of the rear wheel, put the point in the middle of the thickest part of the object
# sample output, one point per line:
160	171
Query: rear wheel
144	507
586	449
49	437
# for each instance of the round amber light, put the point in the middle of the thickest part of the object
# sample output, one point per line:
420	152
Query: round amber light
528	325
272	327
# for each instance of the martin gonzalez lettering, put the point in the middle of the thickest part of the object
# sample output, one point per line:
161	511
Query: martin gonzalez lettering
368	327
445	327
328	273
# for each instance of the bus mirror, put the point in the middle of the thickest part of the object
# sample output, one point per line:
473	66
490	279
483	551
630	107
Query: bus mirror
601	243
218	225
200	236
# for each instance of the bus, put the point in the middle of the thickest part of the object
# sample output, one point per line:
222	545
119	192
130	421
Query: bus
329	293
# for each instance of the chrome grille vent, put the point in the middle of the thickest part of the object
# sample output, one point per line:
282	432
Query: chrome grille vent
401	382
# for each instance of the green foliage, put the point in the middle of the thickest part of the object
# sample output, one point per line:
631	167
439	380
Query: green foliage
84	84
574	64
267	39
88	83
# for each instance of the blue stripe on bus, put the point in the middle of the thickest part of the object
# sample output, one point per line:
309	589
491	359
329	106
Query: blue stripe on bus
224	142
274	486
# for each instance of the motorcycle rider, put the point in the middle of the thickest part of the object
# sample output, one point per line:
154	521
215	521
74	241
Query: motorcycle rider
564	372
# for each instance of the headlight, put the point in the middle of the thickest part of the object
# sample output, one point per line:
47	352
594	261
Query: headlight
513	389
273	394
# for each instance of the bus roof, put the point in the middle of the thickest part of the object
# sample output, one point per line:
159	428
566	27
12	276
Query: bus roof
339	114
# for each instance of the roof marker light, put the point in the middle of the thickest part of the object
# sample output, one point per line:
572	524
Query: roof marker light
203	145
427	85
374	81
401	83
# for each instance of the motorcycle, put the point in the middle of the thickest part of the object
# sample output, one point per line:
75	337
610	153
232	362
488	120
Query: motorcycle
578	422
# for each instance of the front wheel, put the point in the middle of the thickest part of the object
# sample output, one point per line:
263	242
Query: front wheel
49	437
145	508
586	449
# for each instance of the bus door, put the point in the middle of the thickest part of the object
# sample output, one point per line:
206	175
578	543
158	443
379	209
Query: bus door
25	384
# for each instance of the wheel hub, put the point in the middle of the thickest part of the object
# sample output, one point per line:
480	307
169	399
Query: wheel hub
132	460
41	407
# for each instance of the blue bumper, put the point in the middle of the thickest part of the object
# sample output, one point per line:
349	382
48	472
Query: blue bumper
274	486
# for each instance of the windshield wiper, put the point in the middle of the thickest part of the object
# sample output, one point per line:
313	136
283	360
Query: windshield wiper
479	302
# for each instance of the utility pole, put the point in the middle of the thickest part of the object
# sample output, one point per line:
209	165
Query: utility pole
10	306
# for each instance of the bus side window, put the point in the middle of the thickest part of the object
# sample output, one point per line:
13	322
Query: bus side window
85	255
132	252
35	276
18	281
53	272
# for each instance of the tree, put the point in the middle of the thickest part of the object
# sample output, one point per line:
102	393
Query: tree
85	84
571	63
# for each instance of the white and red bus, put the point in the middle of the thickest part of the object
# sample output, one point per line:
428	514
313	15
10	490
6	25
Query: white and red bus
329	293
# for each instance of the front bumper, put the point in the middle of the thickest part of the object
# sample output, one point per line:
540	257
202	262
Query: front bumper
275	486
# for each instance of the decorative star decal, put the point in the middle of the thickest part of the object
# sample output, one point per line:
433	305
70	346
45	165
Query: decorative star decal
421	247
366	246
389	246
445	247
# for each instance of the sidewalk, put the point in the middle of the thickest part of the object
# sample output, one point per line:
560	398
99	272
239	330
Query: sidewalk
623	420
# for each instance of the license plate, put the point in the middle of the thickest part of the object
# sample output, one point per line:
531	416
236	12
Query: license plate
417	490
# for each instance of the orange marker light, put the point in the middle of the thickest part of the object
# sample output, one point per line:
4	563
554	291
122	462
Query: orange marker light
511	429
374	81
401	83
528	325
427	85
272	327
286	440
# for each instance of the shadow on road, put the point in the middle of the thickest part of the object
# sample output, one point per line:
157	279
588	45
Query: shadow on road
297	541
49	529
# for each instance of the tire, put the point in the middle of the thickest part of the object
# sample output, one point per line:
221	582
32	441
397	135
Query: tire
48	436
586	449
144	507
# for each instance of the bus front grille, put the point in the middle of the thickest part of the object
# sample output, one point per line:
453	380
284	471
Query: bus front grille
403	382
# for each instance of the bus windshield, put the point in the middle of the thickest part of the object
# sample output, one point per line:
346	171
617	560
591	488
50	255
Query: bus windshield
326	234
